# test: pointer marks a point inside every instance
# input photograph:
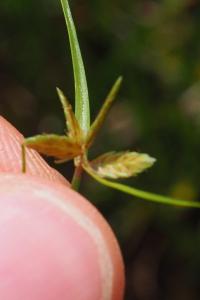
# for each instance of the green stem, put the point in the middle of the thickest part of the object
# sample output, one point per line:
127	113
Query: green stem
76	180
142	194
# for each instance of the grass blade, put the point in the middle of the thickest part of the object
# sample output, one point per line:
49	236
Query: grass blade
82	108
142	194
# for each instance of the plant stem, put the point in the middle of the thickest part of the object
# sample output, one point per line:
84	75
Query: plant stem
143	194
23	155
76	180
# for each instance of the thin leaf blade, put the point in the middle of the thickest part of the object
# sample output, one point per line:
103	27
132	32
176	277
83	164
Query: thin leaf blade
142	194
82	108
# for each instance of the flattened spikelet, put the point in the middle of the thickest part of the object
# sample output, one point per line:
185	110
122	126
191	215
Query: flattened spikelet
59	147
121	164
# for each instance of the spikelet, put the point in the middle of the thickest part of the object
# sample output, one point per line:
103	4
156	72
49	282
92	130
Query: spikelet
121	164
60	147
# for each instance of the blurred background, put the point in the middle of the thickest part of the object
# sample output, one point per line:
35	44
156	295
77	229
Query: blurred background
155	45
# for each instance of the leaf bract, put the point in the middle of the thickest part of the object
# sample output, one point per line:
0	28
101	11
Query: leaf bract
74	130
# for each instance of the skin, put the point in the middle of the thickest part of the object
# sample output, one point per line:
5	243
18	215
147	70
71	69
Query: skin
56	245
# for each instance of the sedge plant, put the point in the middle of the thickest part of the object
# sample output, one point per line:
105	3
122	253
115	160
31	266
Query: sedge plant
80	135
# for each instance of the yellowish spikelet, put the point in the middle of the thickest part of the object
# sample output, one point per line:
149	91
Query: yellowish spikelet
121	164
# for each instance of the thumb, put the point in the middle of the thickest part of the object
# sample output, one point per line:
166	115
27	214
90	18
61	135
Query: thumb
54	244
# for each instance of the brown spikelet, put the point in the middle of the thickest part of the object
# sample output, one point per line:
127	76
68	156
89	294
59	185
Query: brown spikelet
59	147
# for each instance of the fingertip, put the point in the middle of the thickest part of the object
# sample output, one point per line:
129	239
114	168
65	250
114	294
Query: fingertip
68	248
